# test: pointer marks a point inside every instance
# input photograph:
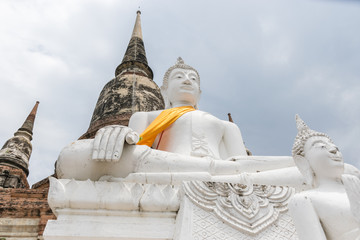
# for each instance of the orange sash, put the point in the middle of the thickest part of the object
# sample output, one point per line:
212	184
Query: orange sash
162	122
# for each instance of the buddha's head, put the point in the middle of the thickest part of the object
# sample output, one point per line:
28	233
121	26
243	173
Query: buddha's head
316	156
181	83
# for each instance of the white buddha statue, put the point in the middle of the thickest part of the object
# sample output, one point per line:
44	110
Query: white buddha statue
183	141
194	133
324	211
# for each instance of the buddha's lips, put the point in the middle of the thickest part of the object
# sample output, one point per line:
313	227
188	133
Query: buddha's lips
337	159
187	87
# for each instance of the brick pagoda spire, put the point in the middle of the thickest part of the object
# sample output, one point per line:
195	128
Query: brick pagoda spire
15	155
132	89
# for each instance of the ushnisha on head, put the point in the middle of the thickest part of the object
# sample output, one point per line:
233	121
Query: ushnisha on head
304	133
316	156
181	83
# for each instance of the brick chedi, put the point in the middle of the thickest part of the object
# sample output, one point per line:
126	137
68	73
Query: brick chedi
132	89
23	211
15	154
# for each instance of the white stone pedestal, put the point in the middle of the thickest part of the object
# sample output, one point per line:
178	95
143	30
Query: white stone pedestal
193	211
111	210
105	224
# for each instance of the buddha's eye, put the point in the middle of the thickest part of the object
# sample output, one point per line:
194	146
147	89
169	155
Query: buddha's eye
323	147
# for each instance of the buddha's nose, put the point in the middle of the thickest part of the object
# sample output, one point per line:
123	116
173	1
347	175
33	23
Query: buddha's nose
187	82
333	150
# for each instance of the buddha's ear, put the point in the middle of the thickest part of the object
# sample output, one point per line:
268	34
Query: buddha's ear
305	169
162	89
198	100
165	97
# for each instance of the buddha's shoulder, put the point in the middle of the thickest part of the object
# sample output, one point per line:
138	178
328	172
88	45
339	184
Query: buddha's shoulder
146	115
301	200
154	113
212	117
310	195
203	113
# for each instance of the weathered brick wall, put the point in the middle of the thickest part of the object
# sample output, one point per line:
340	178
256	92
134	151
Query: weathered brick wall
11	177
26	204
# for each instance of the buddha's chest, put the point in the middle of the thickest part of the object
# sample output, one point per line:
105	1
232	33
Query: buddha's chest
198	123
333	209
331	204
196	133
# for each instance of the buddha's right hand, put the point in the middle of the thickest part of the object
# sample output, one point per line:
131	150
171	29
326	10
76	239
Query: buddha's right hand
109	142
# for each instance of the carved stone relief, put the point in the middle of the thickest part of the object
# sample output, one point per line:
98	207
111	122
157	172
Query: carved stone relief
206	226
249	209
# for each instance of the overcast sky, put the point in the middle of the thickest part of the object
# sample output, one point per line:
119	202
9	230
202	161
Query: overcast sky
263	61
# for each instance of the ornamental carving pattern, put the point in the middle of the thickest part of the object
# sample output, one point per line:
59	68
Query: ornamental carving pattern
249	209
207	226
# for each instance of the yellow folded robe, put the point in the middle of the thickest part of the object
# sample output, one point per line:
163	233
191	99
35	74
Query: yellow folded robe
162	122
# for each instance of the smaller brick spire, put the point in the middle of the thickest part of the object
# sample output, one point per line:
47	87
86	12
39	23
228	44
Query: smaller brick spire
230	118
28	125
15	155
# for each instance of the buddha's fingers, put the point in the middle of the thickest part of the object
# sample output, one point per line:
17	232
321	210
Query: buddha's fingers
111	142
103	143
244	178
119	144
132	137
96	144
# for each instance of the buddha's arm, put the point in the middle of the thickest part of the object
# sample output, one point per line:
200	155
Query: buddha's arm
352	170
290	177
139	122
263	163
352	187
305	218
232	142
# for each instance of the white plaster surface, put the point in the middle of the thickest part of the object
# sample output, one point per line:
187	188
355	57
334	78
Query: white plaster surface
120	196
19	228
93	224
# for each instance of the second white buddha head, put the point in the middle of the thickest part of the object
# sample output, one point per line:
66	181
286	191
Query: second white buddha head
316	155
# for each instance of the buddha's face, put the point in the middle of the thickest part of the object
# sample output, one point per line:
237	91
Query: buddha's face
324	157
183	86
